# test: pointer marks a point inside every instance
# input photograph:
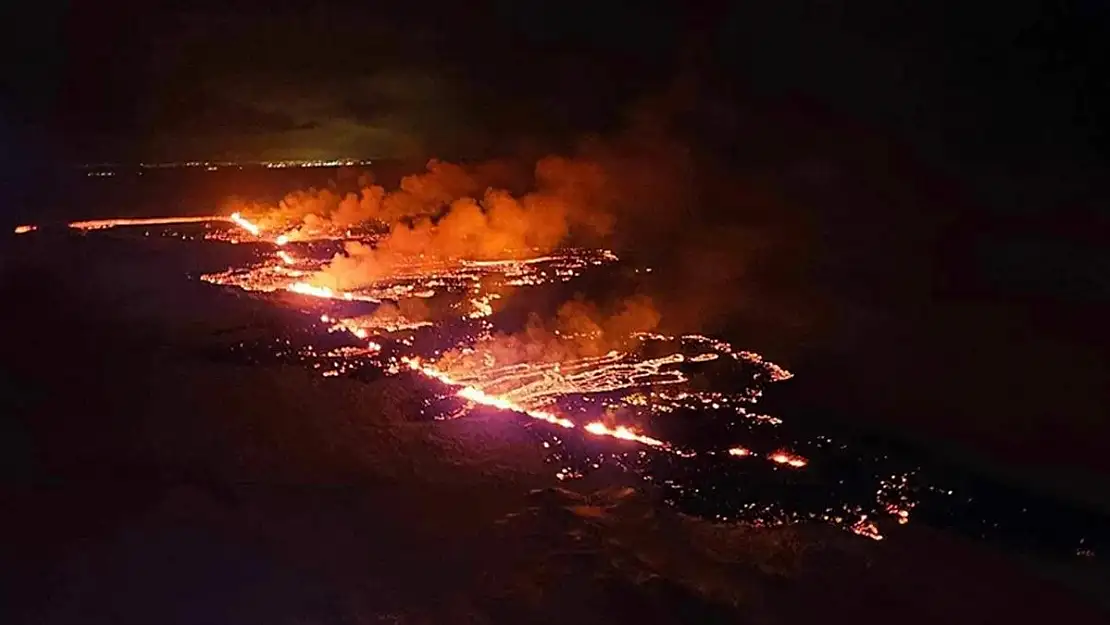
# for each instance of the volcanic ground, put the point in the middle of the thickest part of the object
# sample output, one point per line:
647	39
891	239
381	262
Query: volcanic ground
672	419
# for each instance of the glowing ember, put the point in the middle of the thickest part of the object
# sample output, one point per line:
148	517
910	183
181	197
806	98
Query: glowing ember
866	528
24	229
782	457
739	452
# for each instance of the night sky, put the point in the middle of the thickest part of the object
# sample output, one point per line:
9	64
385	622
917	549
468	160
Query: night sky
128	81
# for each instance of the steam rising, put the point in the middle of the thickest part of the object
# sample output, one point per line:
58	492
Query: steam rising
580	329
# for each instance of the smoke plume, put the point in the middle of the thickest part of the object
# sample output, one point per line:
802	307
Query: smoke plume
446	214
580	329
708	234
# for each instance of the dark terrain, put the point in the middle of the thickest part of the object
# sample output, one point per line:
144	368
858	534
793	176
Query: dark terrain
146	483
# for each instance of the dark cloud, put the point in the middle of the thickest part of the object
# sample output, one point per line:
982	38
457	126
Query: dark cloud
215	116
453	77
440	78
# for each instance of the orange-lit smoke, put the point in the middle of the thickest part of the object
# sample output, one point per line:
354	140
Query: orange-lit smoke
438	215
313	212
644	194
407	313
580	329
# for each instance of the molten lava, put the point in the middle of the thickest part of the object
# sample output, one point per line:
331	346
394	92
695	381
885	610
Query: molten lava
245	224
788	459
152	221
619	393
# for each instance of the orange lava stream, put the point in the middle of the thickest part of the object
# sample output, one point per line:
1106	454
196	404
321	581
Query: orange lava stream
623	433
100	224
245	224
528	386
305	288
478	396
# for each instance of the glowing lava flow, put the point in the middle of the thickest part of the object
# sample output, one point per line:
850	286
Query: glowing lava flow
305	288
153	221
788	459
478	396
623	433
670	384
245	224
525	388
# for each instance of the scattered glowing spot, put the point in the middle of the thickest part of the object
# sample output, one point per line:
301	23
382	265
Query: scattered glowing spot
866	528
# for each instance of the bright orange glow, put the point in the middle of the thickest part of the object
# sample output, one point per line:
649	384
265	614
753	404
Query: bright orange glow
24	229
479	396
867	528
623	433
789	459
152	221
902	514
304	288
245	224
477	377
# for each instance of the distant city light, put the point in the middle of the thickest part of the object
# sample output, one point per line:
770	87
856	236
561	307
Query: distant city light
109	169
